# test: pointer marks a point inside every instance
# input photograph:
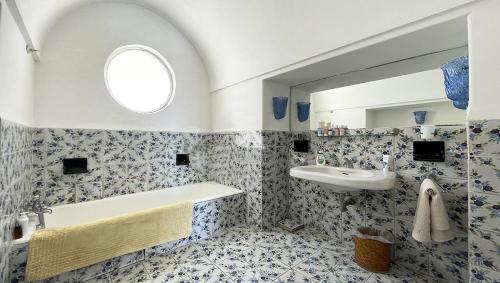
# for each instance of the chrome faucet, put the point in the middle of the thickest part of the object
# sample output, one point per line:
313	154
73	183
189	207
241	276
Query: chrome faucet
348	163
37	206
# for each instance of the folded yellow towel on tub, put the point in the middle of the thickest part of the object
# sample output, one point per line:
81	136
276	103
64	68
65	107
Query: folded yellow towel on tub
53	251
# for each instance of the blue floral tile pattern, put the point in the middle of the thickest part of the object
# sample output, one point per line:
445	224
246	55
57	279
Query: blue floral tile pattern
397	274
455	166
294	276
376	147
485	211
349	271
108	266
325	261
164	268
390	210
124	162
484	137
132	273
449	260
485	174
483	275
241	271
484	248
484	200
210	275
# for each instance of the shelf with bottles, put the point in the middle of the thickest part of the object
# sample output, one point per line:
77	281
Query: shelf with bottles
355	132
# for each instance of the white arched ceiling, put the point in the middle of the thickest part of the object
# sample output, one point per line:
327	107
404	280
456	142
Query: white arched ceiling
241	39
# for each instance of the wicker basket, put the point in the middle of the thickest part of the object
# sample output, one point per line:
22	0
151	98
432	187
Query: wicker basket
372	255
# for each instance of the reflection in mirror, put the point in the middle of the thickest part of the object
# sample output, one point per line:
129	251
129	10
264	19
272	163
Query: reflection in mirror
382	96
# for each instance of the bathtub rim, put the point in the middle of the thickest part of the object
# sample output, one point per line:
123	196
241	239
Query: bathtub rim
217	196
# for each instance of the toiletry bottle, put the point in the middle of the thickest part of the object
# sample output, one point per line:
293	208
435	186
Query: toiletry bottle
330	132
320	158
325	129
385	162
336	130
18	232
341	130
319	132
24	223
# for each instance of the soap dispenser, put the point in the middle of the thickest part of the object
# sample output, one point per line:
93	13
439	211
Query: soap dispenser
320	158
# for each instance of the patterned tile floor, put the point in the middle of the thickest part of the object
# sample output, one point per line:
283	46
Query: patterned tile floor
243	254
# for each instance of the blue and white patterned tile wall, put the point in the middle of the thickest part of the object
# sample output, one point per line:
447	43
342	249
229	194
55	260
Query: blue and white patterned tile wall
124	162
119	162
275	194
235	159
484	200
255	162
392	210
15	175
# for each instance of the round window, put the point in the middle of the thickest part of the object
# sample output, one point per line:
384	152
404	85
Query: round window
139	79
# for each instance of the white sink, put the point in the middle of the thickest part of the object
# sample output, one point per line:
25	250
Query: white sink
345	179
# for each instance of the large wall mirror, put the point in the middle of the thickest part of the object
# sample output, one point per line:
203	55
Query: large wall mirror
386	95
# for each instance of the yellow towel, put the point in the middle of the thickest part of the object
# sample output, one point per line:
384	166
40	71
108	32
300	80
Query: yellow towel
54	251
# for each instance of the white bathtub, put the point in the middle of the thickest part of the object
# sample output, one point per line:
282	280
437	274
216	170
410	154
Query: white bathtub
71	214
206	196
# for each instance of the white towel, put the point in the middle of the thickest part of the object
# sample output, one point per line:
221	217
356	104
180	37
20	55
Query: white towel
431	219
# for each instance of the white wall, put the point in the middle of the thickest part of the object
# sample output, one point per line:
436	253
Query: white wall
70	88
238	107
442	113
484	46
241	39
422	86
258	42
271	89
16	72
231	35
354	118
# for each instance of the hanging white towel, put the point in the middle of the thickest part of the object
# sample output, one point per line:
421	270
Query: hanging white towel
431	219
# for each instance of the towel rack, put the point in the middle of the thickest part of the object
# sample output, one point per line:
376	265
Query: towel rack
431	192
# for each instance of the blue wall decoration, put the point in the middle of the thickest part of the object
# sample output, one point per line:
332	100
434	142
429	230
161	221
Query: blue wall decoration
279	107
420	117
303	111
456	81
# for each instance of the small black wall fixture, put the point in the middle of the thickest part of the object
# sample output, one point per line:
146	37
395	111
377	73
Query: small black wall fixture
75	166
301	146
428	151
182	159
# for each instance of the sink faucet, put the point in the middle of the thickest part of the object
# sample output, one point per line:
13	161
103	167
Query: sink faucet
37	206
348	163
